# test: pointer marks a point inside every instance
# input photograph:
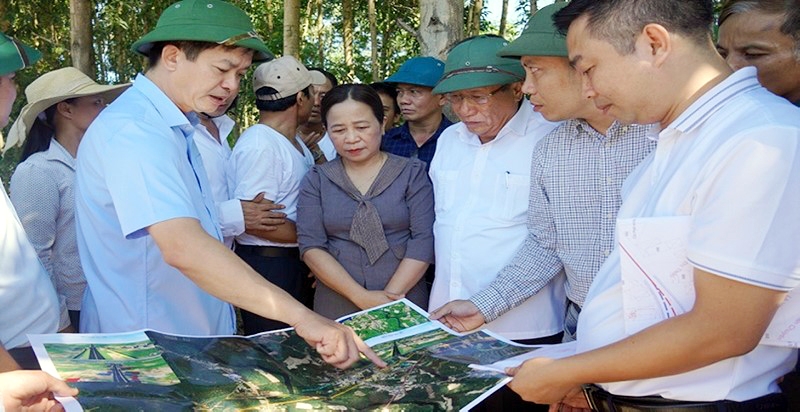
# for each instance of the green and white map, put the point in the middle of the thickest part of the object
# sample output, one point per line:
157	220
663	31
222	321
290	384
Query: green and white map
429	368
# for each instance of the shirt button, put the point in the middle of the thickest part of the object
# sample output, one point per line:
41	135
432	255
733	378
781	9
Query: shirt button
606	253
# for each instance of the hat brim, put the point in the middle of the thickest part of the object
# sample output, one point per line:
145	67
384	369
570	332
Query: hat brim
536	44
210	34
27	116
407	78
15	61
466	81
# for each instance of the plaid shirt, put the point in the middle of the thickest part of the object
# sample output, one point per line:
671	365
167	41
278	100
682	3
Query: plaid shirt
576	176
399	141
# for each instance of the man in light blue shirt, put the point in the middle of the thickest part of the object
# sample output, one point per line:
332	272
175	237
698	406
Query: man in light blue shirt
147	225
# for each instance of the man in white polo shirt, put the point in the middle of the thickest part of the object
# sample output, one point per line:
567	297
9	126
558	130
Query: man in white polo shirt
726	168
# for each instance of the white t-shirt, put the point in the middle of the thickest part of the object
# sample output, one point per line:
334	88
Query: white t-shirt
264	160
731	163
27	294
481	204
215	156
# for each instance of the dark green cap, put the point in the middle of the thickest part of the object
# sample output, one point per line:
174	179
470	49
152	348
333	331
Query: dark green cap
474	63
15	56
540	37
212	21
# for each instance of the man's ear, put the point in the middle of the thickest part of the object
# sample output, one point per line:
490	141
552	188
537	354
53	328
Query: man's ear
170	56
654	41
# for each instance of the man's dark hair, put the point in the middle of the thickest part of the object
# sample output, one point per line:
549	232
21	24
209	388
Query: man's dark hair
389	90
790	9
619	22
331	78
361	93
191	49
280	104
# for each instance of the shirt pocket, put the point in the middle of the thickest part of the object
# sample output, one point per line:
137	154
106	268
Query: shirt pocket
511	200
445	189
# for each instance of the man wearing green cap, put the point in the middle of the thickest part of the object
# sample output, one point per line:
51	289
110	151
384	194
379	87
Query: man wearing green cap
481	179
27	296
577	173
421	109
147	227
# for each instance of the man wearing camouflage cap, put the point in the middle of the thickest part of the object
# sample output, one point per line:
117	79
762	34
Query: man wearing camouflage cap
147	225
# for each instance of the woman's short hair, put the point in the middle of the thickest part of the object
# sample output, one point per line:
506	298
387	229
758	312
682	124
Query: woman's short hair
361	93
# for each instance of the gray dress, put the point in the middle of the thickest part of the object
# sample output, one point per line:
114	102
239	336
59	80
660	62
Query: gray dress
325	214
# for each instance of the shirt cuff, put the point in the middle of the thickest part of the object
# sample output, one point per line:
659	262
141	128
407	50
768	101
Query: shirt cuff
231	218
489	303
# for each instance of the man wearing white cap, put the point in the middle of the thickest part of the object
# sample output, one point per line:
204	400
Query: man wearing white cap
270	158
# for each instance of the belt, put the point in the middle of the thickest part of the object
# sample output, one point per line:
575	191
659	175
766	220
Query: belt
269	251
603	401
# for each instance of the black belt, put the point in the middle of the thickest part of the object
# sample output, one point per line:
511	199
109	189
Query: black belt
603	401
269	251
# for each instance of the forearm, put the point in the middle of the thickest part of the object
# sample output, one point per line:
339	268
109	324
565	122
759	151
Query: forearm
7	363
285	233
407	275
715	329
221	273
330	272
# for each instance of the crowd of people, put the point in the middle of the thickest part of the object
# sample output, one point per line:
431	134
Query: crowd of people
141	215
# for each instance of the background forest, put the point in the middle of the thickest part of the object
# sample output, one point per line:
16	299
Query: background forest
357	40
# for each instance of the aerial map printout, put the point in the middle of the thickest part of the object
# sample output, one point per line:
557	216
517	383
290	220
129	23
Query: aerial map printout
429	368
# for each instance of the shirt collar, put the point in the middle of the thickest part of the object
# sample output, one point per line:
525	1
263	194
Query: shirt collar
168	110
740	81
57	152
518	125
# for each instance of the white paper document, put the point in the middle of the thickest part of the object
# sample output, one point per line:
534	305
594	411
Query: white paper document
658	281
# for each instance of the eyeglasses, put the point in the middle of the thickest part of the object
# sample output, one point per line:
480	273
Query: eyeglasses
479	99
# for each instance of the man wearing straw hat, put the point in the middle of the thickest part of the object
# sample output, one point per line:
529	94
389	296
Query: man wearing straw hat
61	105
27	297
147	226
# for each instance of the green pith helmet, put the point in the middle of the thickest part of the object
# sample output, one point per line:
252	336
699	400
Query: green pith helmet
474	63
539	38
213	21
15	56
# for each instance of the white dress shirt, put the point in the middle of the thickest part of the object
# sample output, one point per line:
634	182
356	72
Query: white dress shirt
481	203
730	163
215	156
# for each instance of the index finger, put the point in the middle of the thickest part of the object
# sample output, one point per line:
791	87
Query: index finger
439	313
368	352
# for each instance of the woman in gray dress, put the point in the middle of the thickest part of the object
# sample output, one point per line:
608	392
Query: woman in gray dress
364	220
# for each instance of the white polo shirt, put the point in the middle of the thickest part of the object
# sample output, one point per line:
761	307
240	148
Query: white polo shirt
731	163
138	166
215	156
481	203
264	160
27	294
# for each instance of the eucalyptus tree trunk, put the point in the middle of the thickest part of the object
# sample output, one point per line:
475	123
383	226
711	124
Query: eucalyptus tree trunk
347	37
373	37
534	7
503	18
291	28
475	17
441	25
80	31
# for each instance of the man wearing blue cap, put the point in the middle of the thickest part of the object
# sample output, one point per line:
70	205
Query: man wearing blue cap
27	295
421	109
148	235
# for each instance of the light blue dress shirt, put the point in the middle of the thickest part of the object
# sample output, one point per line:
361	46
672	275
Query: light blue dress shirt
138	165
